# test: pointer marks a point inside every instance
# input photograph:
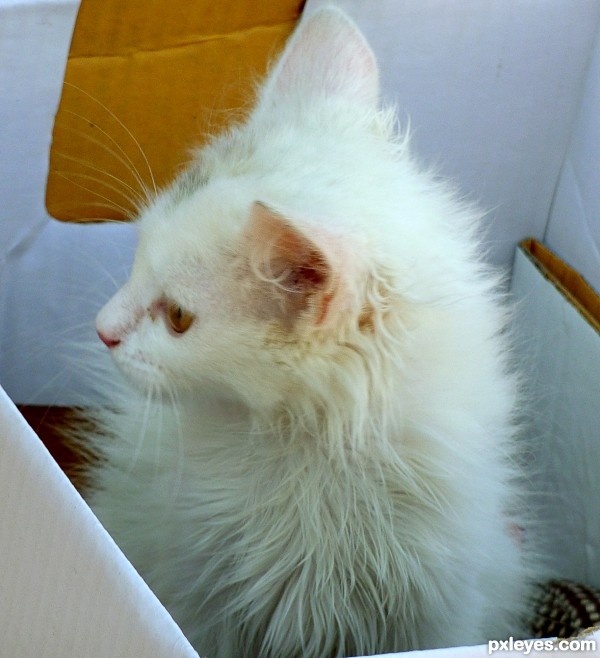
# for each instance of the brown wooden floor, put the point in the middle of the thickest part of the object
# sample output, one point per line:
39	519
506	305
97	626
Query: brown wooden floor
47	423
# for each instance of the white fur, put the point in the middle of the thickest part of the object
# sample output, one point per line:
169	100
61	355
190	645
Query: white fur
323	463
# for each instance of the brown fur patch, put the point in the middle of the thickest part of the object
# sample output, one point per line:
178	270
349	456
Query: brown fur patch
366	323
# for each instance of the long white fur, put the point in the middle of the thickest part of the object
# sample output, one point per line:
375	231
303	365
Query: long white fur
324	463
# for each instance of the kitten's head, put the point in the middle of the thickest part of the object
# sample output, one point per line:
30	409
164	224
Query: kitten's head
264	270
236	278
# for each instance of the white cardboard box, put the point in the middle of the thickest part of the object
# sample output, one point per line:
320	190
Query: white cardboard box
504	94
65	588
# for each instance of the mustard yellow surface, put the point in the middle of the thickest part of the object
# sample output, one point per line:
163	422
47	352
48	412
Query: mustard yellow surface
146	80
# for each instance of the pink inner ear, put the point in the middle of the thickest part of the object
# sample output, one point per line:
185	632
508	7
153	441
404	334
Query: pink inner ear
278	248
277	242
328	54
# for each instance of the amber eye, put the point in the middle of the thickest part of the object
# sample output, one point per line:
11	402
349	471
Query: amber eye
179	319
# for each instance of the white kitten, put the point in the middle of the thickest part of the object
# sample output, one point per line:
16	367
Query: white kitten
323	460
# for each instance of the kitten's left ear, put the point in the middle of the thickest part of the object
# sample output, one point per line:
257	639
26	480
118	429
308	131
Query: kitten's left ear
327	55
303	274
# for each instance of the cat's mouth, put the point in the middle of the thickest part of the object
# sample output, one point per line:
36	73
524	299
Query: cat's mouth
142	373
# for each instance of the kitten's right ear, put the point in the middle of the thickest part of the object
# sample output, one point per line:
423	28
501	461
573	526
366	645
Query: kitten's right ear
327	55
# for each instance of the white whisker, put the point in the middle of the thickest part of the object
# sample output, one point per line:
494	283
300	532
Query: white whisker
179	438
116	118
105	184
125	160
109	203
136	200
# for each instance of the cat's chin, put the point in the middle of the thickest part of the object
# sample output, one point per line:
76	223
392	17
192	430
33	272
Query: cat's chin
143	377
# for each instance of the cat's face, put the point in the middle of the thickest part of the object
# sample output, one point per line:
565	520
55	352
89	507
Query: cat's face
222	302
229	289
241	302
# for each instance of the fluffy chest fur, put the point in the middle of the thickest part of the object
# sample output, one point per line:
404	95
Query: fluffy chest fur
262	548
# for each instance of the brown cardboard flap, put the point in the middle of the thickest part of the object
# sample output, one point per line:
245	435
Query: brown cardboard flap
567	280
145	81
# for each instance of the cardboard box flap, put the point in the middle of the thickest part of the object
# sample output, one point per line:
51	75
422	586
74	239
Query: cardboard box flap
66	590
145	81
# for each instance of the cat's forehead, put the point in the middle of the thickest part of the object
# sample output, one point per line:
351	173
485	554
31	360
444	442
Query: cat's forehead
200	224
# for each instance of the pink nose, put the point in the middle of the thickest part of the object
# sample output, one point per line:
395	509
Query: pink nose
107	340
